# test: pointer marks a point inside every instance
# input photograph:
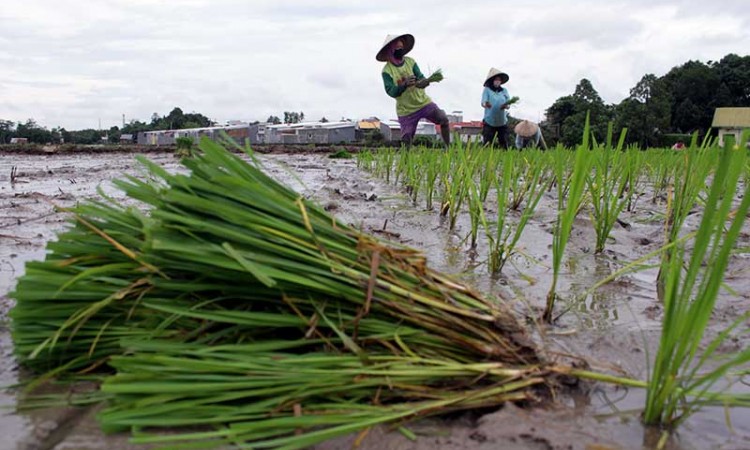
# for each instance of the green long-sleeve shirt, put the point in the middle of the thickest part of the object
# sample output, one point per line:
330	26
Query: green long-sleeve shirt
408	99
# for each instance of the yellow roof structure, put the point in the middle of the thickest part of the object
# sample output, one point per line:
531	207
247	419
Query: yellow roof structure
369	125
731	118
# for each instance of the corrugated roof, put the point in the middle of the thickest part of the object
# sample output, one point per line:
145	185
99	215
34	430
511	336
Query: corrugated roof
731	118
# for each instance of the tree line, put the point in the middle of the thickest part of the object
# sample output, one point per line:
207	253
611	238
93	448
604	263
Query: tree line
658	110
175	120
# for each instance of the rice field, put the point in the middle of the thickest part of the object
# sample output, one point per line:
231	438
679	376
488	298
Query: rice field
594	249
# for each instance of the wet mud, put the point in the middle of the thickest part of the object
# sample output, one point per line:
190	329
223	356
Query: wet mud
616	328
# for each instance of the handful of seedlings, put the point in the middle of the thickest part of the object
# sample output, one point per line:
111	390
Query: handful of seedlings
436	76
230	303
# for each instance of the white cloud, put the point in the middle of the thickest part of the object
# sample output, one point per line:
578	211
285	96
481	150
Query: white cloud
72	62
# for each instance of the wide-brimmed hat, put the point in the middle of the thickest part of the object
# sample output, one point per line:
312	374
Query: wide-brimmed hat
526	128
408	45
495	72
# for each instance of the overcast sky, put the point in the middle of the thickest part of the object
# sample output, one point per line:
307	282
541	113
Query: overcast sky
71	63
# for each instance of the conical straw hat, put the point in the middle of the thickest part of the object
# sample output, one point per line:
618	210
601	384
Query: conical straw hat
408	45
526	128
495	72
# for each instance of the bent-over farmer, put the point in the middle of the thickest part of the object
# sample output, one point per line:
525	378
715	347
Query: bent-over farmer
528	134
405	82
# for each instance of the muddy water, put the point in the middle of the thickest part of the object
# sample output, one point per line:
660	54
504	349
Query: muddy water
616	328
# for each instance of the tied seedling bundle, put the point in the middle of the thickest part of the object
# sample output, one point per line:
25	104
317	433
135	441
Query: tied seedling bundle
234	304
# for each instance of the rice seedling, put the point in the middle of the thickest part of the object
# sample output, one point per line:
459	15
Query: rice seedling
242	289
385	164
476	212
415	173
457	188
690	181
634	168
487	166
683	371
185	146
313	395
607	184
513	100
366	160
661	174
432	173
436	76
503	239
567	210
525	174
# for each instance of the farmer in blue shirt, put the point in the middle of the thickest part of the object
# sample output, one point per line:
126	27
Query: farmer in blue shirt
494	101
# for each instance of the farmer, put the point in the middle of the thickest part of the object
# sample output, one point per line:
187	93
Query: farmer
528	134
404	81
679	145
494	101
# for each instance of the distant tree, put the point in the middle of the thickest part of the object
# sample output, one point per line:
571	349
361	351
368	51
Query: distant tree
646	113
113	135
33	132
563	108
274	120
323	120
568	114
689	117
175	118
196	120
694	85
57	134
293	117
66	136
7	131
83	137
178	120
134	127
734	74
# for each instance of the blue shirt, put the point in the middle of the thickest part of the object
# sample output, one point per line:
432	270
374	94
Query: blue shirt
495	116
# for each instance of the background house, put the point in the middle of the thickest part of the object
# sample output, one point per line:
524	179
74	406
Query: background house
391	131
466	131
312	133
731	121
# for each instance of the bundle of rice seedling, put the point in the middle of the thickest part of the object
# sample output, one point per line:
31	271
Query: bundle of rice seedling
88	272
234	302
436	76
513	100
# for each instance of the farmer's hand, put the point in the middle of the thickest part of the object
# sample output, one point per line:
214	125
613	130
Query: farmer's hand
411	81
487	105
423	83
505	106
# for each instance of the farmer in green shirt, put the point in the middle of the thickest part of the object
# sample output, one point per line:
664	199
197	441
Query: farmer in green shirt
405	82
